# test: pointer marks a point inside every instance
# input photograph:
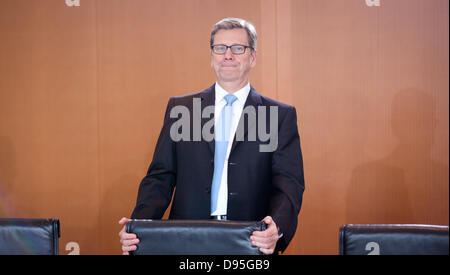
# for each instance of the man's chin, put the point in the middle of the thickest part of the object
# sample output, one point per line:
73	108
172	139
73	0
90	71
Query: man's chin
229	78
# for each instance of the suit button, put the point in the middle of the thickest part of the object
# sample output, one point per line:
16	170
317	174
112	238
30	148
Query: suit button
208	190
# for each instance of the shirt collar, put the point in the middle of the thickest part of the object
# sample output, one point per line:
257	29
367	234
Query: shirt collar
241	94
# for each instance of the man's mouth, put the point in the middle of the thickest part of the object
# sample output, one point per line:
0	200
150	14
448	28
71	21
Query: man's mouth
228	65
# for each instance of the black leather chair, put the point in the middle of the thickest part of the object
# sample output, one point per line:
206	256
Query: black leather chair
29	236
393	239
194	237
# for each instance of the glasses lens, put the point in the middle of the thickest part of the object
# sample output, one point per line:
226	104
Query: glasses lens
237	49
220	49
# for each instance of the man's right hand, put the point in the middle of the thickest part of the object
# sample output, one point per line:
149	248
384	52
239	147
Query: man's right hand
127	240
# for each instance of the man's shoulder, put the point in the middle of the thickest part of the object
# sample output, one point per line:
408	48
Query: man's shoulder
267	101
188	96
272	102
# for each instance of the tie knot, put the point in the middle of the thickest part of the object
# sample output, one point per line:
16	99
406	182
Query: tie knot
230	98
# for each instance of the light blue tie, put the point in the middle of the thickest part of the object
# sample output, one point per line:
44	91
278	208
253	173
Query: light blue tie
222	134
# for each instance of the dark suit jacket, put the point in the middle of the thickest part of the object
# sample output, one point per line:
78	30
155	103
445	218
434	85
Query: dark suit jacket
259	184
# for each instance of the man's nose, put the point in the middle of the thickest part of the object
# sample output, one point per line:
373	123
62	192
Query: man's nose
228	54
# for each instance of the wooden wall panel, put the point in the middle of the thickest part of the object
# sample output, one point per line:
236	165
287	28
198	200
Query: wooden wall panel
372	95
83	91
48	115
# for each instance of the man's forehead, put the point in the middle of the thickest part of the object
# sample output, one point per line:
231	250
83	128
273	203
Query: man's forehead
236	35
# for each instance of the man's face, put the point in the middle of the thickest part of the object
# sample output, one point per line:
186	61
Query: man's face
231	67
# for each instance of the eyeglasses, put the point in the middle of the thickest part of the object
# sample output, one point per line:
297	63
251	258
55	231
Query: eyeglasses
235	49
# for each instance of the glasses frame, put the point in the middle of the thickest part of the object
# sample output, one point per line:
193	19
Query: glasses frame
231	48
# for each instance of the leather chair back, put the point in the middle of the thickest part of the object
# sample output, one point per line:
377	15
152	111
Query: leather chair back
194	237
29	236
393	239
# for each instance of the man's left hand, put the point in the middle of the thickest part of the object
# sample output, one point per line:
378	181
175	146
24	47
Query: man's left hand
266	240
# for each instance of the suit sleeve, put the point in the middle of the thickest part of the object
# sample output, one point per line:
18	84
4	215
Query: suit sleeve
287	179
156	188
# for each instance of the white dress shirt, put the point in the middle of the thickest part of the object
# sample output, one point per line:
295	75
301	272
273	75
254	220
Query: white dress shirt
237	108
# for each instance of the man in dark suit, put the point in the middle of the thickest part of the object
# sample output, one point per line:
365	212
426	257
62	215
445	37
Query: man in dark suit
247	175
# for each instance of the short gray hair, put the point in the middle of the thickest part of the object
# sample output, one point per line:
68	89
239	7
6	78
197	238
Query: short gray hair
236	23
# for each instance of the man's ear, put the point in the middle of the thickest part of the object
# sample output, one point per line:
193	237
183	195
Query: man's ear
253	58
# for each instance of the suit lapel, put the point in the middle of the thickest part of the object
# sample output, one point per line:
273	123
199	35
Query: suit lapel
208	99
253	99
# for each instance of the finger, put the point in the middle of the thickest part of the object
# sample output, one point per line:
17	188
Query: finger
265	234
265	242
261	244
271	230
128	248
127	236
270	239
266	251
270	223
130	242
268	220
125	253
124	220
